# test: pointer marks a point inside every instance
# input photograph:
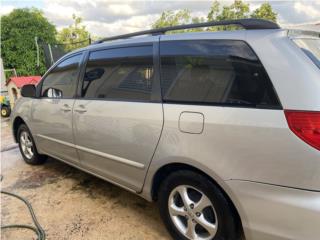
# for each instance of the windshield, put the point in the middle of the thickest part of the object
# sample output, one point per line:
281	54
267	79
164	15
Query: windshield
311	48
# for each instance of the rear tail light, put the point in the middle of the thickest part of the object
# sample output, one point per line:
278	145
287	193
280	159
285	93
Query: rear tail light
306	125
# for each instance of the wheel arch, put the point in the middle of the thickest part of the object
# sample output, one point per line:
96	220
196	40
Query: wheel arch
15	126
169	168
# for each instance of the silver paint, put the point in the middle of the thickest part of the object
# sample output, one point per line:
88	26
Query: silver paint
271	176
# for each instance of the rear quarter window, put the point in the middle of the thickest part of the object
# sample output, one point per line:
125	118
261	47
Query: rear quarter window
219	72
311	47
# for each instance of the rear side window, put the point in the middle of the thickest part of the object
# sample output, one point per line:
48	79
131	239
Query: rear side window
311	47
214	72
119	74
61	81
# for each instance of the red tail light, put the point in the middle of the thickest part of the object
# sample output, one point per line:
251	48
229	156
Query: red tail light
306	125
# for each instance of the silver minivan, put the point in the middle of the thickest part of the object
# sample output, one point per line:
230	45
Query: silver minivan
222	129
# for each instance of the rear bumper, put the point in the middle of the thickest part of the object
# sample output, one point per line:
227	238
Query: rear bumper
271	212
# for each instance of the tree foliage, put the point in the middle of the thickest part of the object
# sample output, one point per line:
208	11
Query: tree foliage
265	11
74	36
18	32
170	18
237	10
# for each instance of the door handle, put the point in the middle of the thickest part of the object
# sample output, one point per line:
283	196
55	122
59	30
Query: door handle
80	109
66	108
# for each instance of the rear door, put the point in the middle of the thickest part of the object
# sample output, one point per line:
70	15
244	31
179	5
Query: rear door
220	109
118	119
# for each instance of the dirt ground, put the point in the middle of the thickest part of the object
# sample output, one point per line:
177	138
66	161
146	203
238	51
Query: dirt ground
71	204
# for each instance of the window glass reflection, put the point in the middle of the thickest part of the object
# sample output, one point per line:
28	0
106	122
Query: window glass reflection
61	81
120	74
214	71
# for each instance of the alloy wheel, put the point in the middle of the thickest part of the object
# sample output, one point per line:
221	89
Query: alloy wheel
26	145
192	213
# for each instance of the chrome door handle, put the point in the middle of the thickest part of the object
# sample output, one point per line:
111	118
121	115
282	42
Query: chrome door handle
80	109
66	108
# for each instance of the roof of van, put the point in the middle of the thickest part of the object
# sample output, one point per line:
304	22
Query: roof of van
235	34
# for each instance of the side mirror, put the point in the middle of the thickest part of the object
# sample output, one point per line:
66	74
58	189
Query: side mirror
28	90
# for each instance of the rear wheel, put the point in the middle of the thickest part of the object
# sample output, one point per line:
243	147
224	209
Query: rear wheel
193	207
27	147
5	111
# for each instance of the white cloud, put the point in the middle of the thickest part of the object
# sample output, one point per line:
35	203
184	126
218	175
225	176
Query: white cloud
124	9
59	14
111	17
131	24
310	10
6	9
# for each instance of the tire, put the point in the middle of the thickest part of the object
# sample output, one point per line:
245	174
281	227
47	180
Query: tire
219	214
5	111
27	146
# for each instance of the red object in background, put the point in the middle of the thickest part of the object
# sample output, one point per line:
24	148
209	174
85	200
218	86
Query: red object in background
21	81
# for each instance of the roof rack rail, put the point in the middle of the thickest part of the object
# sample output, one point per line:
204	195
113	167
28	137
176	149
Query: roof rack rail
248	24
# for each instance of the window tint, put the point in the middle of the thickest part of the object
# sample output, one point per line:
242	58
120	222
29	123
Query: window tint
214	71
62	80
119	74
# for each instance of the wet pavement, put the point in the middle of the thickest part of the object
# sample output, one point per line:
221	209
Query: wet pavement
69	203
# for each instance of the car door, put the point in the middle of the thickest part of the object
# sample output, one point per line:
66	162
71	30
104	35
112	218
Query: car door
52	111
118	119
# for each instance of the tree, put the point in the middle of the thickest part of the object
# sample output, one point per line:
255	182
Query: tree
237	10
170	18
18	33
265	12
214	11
74	36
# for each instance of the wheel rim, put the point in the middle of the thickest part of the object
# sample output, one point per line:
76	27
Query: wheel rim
3	112
26	145
192	213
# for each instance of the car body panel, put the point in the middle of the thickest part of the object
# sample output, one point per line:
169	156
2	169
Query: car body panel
52	124
293	74
22	109
275	212
271	176
123	135
240	143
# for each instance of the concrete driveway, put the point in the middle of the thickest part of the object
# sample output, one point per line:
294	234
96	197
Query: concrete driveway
71	204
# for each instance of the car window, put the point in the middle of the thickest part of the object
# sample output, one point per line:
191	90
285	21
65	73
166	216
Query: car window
119	74
311	47
62	80
214	72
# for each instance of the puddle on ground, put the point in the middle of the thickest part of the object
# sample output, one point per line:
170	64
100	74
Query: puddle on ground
95	187
10	159
51	172
35	180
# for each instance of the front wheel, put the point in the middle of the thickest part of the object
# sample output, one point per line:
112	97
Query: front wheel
28	148
193	207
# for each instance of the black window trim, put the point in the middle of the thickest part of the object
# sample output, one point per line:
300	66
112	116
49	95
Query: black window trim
39	86
252	106
156	89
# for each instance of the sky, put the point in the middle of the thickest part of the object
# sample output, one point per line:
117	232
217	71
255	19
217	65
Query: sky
110	17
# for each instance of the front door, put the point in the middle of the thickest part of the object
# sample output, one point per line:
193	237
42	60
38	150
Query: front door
117	122
52	112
